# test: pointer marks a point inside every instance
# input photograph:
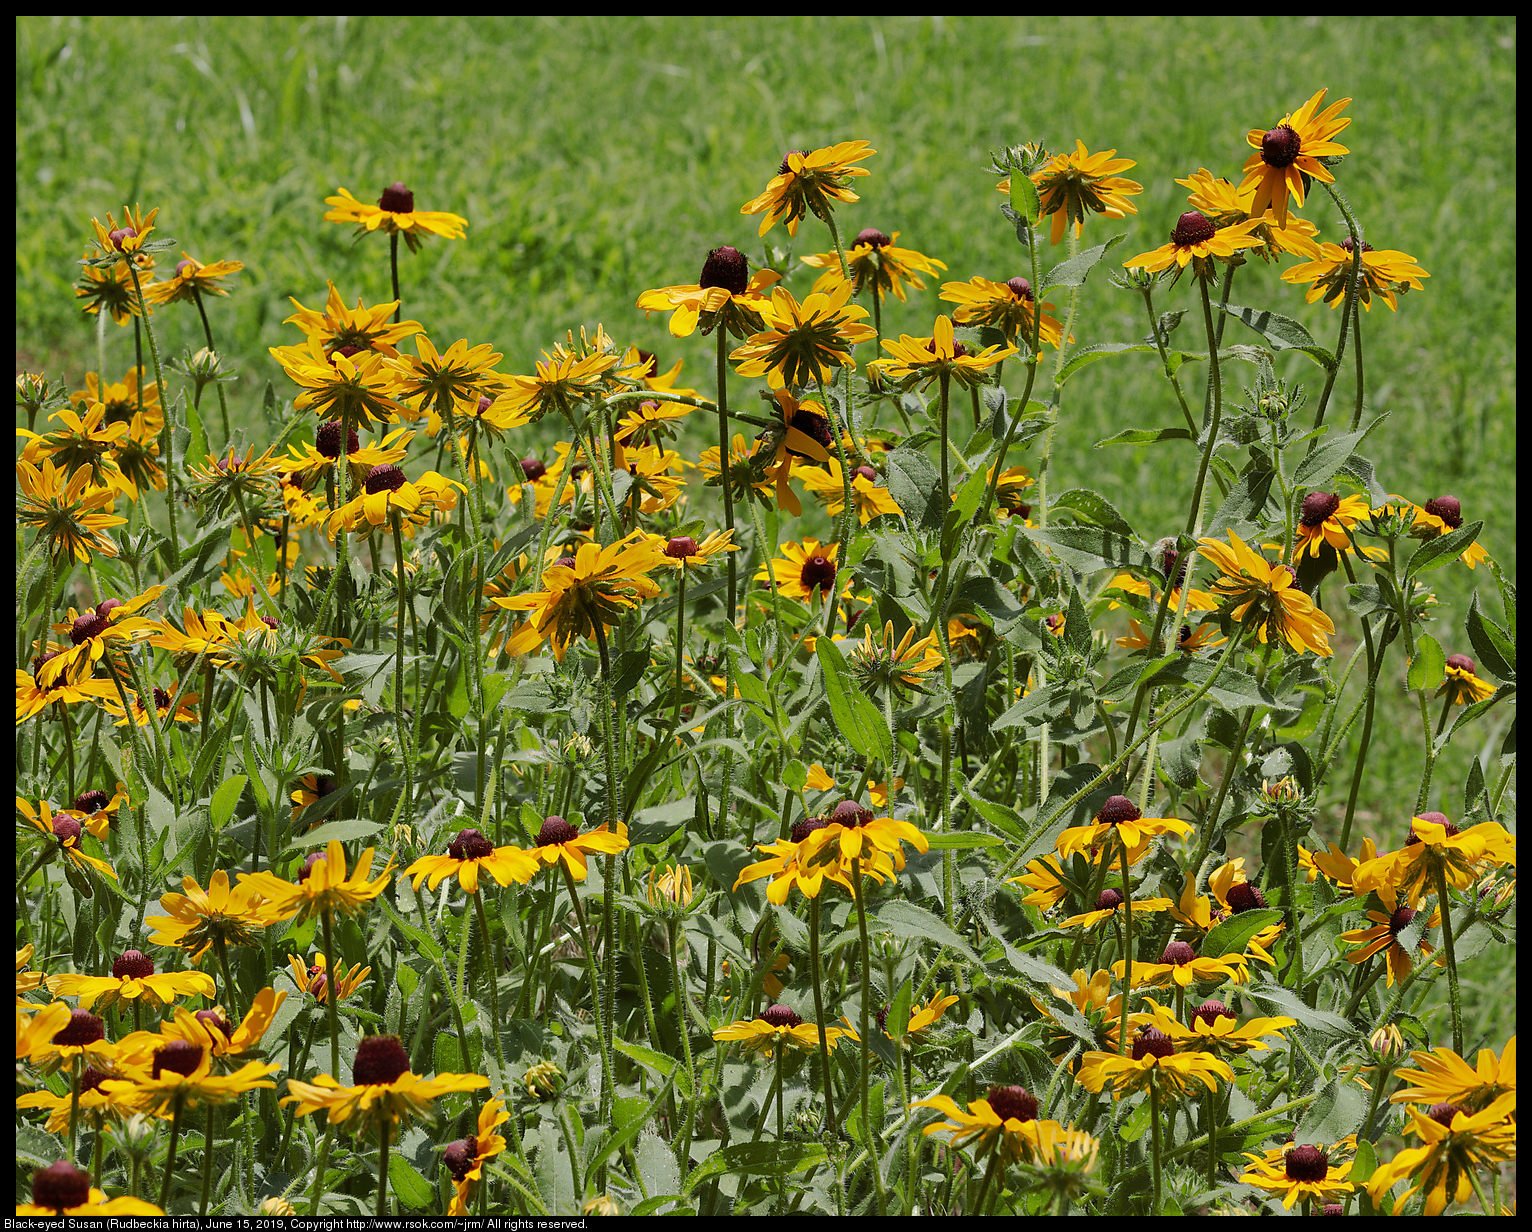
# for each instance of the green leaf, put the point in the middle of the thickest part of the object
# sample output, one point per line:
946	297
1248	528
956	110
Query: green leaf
225	799
907	920
406	1184
657	824
1429	666
1496	647
1089	548
1284	333
858	719
626	673
658	1062
1286	1002
759	1159
1443	550
1338	1110
1319	467
196	448
1040	706
343	831
963	840
1094	508
1084	356
986	595
1231	936
1024	198
1145	436
914	483
1073	272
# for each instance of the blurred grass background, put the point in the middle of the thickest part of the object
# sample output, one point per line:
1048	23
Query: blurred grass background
595	158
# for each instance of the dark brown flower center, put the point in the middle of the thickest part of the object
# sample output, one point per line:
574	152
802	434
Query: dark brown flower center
84	1028
92	1079
327	439
866	472
216	1021
817	571
313	858
1021	289
122	233
1307	1163
1117	810
871	235
107	606
850	814
1400	920
780	1016
67	830
95	801
1211	1011
1332	1209
162	698
1012	1103
1178	954
470	845
1152	1043
133	965
555	830
61	1186
1280	146
1317	506
397	199
1245	897
803	828
1448	508
787	161
725	267
680	547
1439	819
814	426
564	562
184	267
86	626
179	1057
386	477
1350	245
533	469
459	1158
1192	228
1108	900
1460	661
1442	1114
379	1060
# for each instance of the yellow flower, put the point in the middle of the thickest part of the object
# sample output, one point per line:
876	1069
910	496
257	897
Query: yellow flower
1225	204
454	379
32	696
1010	307
1335	863
199	917
62	1189
469	852
112	288
1070	186
85	440
133	977
170	706
1197	241
179	1074
803	568
1435	518
355	388
786	869
308	464
1446	1078
871	500
1152	1057
68	510
314	979
873	259
1267	596
128	238
191	279
209	1029
1290	150
683	552
924	1017
1299	1172
36	1025
562	382
1215	1027
395	213
63	830
465	1160
1461	685
852	832
902	668
387	492
670	888
124	400
361	328
26	981
1436	846
1325	518
587	594
383	1090
102	1108
726	294
1182	966
322	886
778	1026
802	343
919	361
1109	905
1387	925
809	183
1385	273
1119	816
1004	1120
1457	1144
558	840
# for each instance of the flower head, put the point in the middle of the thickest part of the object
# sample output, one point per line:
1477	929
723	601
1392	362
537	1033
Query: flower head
803	343
128	238
778	1026
1461	685
808	183
383	1090
1289	151
881	665
200	917
1010	307
919	361
65	831
395	213
1153	1056
1225	205
875	260
1435	847
314	977
191	279
350	330
466	855
1196	240
386	493
62	1189
726	294
871	500
803	568
1457	1144
1446	1078
1384	935
69	511
322	886
1005	1120
1267	597
1298	1172
1385	273
1119	816
1070	186
178	1073
352	386
558	840
133	977
465	1159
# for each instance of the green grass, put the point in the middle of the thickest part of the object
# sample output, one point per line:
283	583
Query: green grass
596	158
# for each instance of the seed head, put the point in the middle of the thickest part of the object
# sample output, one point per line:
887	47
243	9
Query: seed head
533	469
133	965
66	829
1021	289
459	1158
555	830
1307	1163
397	199
61	1186
1152	1043
1108	900
680	547
1448	508
1211	1011
1280	146
1178	954
806	826
871	235
818	571
380	1059
780	1016
725	267
1442	1114
86	626
1439	818
1012	1103
384	478
327	439
1460	661
1317	506
95	801
1117	810
213	1019
84	1028
1192	228
179	1056
1245	897
851	814
470	845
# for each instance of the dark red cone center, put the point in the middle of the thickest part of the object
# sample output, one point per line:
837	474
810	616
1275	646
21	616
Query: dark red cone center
817	571
397	199
1307	1163
555	830
1012	1103
379	1060
1152	1043
459	1158
60	1187
1117	810
470	845
780	1016
725	267
386	477
1192	228
871	235
1317	506
133	965
1280	146
179	1057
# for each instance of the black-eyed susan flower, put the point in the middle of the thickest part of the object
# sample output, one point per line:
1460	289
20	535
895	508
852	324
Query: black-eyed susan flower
383	1090
32	696
726	294
787	870
62	1189
808	183
69	511
128	238
308	464
110	624
355	387
82	440
198	918
1197	241
1109	906
1385	273
111	288
170	706
777	1026
64	831
395	213
468	854
1119	816
1446	1078
1384	935
360	329
1070	186
803	568
1325	518
97	1106
919	361
1153	1056
586	594
745	472
386	493
314	977
650	423
1302	1171
1335	864
454	379
656	475
1289	151
133	977
1182	966
1265	597
804	343
210	1029
871	499
178	1074
1438	516
1224	205
874	259
562	383
1214	1027
852	832
682	552
191	279
1435	847
924	1017
1005	1120
1461	685
903	669
26	981
559	841
1457	1145
323	885
1009	306
123	399
465	1159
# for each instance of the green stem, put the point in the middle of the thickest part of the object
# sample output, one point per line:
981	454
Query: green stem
393	269
207	1160
170	1156
406	757
332	970
382	1166
595	985
1454	997
491	975
207	330
614	814
687	1117
167	452
675	721
832	1131
1127	973
723	461
989	1175
1154	1121
867	1129
1348	308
